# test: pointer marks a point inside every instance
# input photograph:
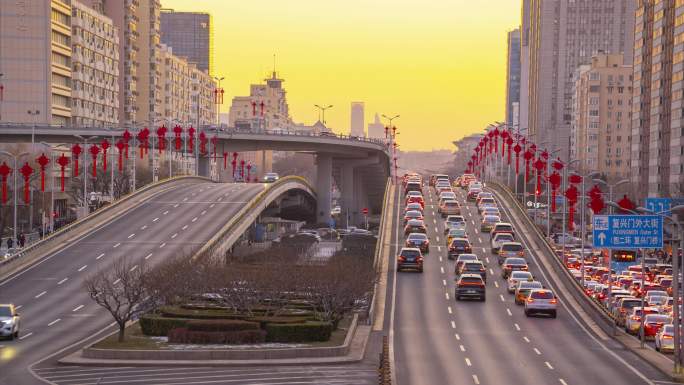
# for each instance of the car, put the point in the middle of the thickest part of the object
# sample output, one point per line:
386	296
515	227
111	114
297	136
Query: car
459	246
413	214
541	301
410	258
474	267
470	286
419	240
416	199
498	239
502	227
510	249
491	210
633	321
415	206
464	258
485	202
413	186
9	321
449	207
657	300
664	339
456	232
414	226
653	323
516	277
623	307
337	210
447	194
270	177
472	194
483	194
523	290
454	221
488	222
513	264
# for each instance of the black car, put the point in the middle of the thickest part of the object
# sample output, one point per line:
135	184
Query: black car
459	246
419	240
475	267
415	226
470	286
410	258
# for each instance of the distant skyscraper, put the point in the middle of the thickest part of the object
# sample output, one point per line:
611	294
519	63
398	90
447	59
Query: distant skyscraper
376	129
513	79
190	34
524	66
357	119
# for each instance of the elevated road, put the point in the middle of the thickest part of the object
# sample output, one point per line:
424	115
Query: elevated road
438	340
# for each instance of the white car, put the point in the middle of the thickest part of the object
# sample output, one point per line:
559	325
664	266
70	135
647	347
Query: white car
517	277
9	321
499	239
271	177
541	301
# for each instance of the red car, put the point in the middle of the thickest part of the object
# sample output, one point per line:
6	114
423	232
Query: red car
653	323
416	199
413	214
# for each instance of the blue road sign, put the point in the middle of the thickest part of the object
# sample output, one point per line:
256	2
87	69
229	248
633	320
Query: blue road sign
663	205
628	231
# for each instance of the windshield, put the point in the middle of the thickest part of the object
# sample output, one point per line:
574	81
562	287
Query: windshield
5	311
530	285
542	295
410	253
657	318
471	279
504	228
511	247
520	275
473	266
417	237
515	261
503	237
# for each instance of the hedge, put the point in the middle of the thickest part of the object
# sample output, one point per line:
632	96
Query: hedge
185	336
153	325
179	312
217	325
302	332
263	321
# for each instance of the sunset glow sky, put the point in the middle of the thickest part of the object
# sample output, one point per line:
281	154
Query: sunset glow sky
440	64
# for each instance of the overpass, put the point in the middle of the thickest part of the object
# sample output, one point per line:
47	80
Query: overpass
360	165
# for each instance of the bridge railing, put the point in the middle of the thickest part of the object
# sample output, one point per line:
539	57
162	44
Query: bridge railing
377	258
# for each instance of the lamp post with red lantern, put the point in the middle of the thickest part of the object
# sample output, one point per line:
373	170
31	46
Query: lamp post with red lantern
391	136
14	171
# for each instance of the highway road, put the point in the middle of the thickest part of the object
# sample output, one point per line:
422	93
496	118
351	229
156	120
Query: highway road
56	313
438	340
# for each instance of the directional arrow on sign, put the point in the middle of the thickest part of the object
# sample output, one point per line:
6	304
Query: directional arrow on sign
602	238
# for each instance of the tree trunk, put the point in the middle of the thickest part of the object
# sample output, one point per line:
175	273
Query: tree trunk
122	330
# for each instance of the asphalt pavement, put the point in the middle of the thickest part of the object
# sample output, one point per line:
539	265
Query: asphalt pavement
438	340
57	316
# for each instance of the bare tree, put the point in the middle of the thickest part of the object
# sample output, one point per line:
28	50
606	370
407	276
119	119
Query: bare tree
121	290
176	280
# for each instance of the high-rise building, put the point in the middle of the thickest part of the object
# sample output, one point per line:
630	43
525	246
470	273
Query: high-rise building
376	130
657	118
524	103
601	129
265	108
95	64
35	61
513	79
191	36
357	120
563	35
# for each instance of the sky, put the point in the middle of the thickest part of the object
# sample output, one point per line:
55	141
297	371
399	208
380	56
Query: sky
439	64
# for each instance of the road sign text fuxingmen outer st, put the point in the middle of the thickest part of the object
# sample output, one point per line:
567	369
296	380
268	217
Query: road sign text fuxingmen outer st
628	231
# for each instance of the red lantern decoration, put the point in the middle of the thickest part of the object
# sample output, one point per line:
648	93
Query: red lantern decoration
262	105
26	172
94	150
161	138
596	199
517	149
557	165
575	179
254	104
63	161
529	154
191	138
126	138
105	147
571	194
225	160
203	142
509	143
555	180
75	153
42	161
626	204
143	141
5	170
496	134
121	146
177	131
539	165
214	143
234	164
249	170
242	168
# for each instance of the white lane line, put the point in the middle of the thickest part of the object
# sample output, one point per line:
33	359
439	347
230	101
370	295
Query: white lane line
496	284
509	312
117	245
473	222
444	282
165	212
439	248
54	322
447	296
174	235
203	212
477	380
562	381
212	205
526	339
458	338
148	256
41	294
100	256
537	351
487	259
441	268
502	298
18	307
517	327
77	308
194	219
175	206
185	199
83	268
155	219
462	348
480	239
491	271
437	239
117	281
548	365
162	245
131	236
440	258
477	231
435	221
143	228
453	325
26	336
134	268
184	227
467	360
449	310
62	281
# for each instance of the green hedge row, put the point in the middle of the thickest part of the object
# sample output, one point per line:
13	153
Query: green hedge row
227	325
185	336
153	325
300	332
180	312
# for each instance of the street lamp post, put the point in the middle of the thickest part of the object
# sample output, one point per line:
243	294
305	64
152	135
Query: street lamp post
85	171
34	116
583	221
548	192
15	171
321	110
566	169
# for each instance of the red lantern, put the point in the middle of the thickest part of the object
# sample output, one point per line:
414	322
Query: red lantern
509	143
254	104
121	146
242	168
555	180
225	160
529	154
470	166
539	165
557	165
191	138
262	104
105	147
63	161
75	153
94	150
214	143
234	164
626	204
249	170
203	142
574	178
496	139
143	141
596	199
161	138
177	131
126	138
5	170
517	148
571	195
26	172
42	161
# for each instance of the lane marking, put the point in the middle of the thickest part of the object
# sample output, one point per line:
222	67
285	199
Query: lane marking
26	336
100	256
117	245
437	238
155	219
440	257
175	206
444	282
162	245
165	212
83	268
205	211
458	338
212	205
548	365
473	222
487	259
462	348
19	307
509	312
496	284
484	250
174	235
441	268
477	231
54	322
439	248
148	256
134	268
562	381
453	325
480	239
467	360
449	309
184	227
537	351
62	281
526	339
41	294
194	219
477	380
77	308
447	296
117	281
491	271
143	228
131	236
502	298
185	199
517	327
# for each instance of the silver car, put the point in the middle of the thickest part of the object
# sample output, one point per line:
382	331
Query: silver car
9	321
664	339
541	301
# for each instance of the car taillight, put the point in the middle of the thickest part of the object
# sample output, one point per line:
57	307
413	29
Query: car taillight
419	259
554	301
482	269
521	253
401	258
530	300
635	318
667	336
524	268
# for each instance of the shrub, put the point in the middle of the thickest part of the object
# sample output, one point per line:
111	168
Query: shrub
153	325
263	321
180	312
221	325
303	332
185	336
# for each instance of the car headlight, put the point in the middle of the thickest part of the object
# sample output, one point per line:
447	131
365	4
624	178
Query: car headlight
7	322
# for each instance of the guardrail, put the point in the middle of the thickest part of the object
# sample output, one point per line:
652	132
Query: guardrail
378	247
222	240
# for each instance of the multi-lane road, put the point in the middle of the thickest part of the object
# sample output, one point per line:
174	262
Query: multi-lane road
57	313
438	340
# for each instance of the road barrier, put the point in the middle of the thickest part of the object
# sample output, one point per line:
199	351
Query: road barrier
384	371
377	257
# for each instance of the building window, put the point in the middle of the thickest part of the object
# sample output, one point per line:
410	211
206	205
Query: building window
61	59
60	38
61	100
61	17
